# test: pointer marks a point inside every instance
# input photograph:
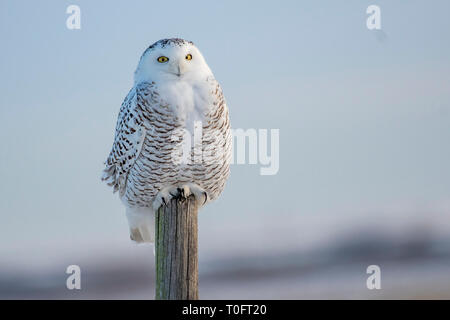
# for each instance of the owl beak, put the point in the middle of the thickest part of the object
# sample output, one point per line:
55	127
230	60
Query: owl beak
177	69
181	68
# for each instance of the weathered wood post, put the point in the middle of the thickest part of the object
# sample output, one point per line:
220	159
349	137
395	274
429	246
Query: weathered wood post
176	250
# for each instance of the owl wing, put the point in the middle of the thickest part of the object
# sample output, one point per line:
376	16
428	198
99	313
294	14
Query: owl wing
128	141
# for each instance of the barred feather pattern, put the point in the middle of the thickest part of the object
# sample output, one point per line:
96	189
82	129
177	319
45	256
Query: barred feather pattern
148	136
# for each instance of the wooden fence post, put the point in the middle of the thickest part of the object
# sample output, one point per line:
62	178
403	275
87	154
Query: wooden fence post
176	250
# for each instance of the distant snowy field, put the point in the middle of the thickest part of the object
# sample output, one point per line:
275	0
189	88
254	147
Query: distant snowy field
322	259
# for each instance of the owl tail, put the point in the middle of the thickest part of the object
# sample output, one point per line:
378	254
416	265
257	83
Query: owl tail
142	224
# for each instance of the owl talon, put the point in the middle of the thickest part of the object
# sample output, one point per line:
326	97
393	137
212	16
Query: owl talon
162	199
206	197
181	193
174	195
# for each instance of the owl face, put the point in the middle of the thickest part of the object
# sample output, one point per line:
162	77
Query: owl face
172	59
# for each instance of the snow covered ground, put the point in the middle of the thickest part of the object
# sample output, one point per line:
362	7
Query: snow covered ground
414	264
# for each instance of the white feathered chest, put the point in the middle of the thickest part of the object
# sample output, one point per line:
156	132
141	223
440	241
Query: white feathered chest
151	134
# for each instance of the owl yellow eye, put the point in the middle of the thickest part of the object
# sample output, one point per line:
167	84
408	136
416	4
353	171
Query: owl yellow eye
162	59
189	56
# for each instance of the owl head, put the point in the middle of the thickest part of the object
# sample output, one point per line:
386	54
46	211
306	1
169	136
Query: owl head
171	59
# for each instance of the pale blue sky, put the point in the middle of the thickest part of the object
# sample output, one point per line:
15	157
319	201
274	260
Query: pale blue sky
364	120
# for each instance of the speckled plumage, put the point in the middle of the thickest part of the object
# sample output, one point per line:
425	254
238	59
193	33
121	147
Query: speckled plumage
163	105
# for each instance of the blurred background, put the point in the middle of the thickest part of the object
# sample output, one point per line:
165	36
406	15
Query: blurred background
364	119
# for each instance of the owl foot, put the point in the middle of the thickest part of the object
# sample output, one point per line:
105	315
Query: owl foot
199	194
182	191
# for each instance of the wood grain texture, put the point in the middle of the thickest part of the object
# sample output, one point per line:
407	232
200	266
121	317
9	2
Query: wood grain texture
177	250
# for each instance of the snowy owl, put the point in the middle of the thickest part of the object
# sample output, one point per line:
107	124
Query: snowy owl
175	96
